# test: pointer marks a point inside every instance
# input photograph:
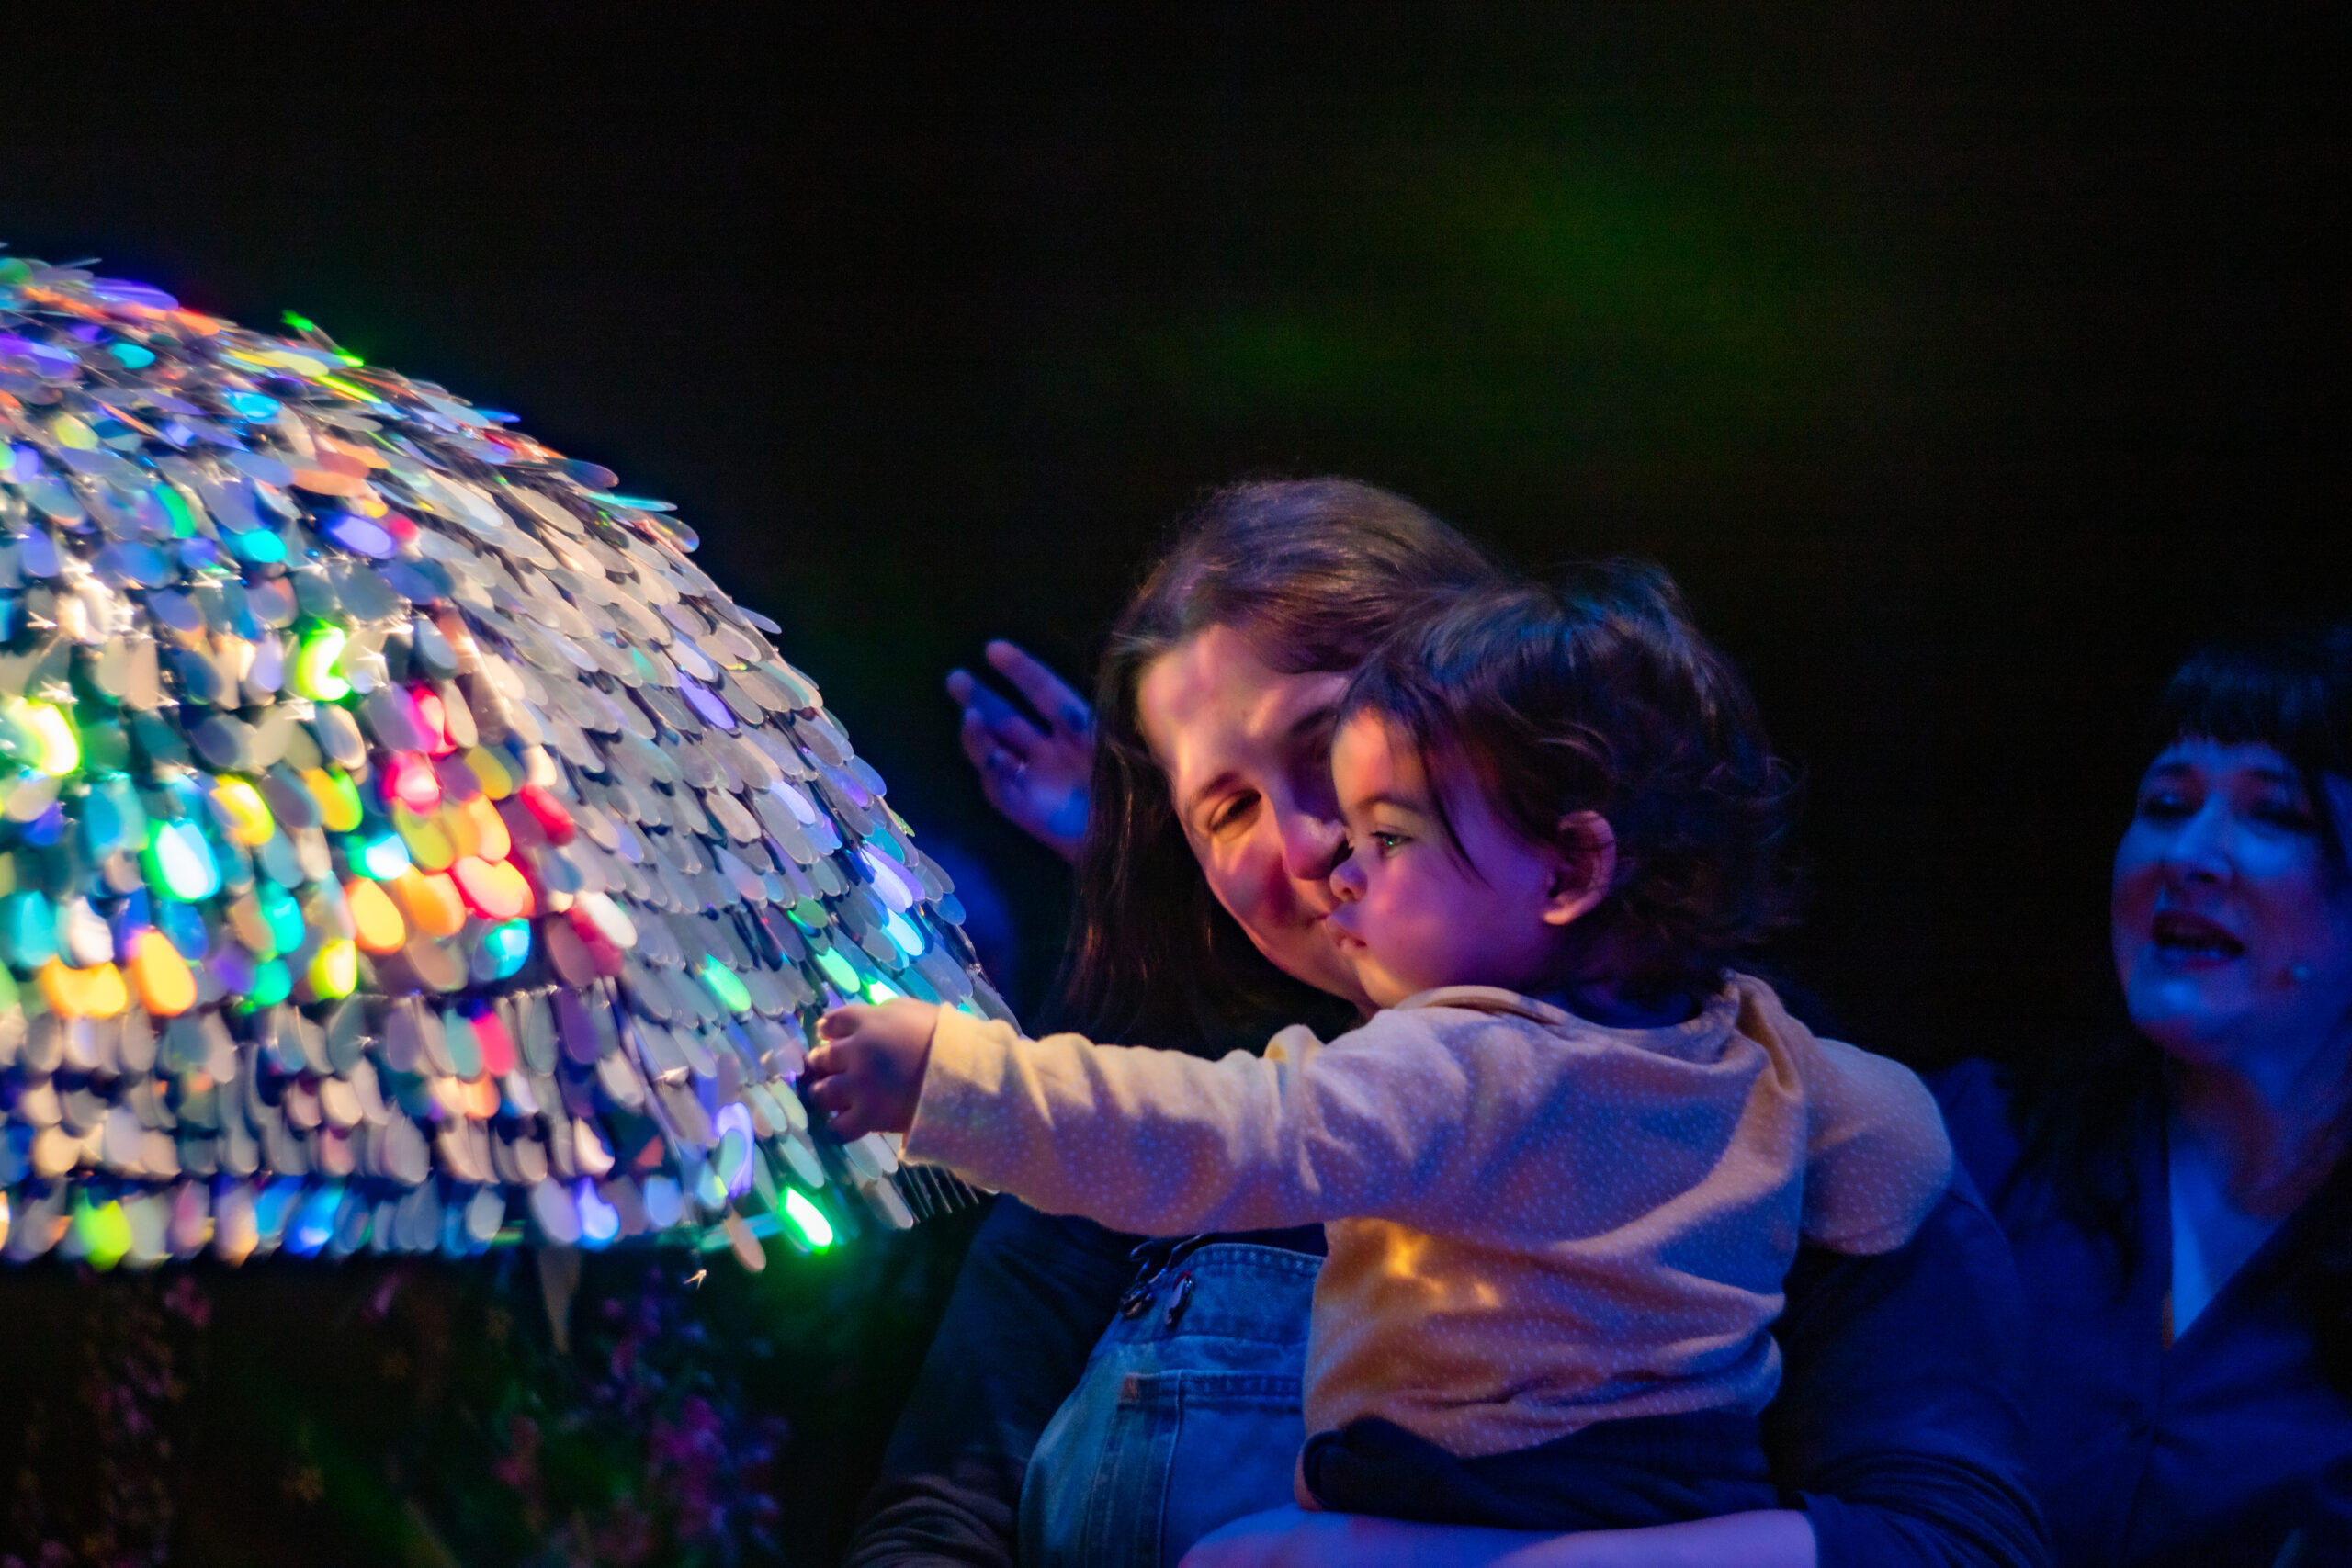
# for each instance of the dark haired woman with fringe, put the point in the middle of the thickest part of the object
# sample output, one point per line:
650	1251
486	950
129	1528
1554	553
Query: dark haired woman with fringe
2179	1198
1084	1405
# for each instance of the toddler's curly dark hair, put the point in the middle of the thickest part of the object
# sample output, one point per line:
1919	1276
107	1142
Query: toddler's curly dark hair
1601	695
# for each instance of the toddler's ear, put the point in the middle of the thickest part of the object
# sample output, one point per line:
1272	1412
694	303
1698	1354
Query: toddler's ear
1586	869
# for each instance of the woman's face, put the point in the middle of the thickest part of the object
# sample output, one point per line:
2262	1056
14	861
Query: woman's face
2233	928
1247	750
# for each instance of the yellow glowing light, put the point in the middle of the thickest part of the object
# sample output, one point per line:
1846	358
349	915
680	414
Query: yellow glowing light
57	752
245	817
336	971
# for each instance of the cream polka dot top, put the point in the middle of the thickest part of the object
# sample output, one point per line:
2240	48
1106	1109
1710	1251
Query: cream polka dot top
1535	1222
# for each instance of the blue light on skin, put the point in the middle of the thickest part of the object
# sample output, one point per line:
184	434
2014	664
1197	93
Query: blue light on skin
2233	936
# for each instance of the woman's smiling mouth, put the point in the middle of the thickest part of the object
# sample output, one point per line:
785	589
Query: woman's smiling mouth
2182	938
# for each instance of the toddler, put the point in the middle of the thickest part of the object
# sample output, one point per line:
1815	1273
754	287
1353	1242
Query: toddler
1564	1168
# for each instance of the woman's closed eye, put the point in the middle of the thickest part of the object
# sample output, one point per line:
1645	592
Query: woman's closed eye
1229	812
2286	816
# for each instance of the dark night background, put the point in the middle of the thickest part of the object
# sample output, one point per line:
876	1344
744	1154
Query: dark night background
1965	364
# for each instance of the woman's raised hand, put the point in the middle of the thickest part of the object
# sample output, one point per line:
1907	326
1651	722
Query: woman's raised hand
1038	778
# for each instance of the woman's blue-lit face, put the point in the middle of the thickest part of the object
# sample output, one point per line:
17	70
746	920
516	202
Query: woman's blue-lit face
2233	926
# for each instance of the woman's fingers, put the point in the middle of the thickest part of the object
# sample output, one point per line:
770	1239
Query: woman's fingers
1047	691
978	741
1037	778
990	718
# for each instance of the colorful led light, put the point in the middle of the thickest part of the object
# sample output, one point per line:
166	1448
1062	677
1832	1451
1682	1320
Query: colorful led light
904	935
53	747
382	856
840	972
281	914
493	889
159	974
509	945
272	983
721	983
96	992
315	675
375	924
239	808
102	1231
808	1219
409	779
338	798
179	862
312	1225
334	969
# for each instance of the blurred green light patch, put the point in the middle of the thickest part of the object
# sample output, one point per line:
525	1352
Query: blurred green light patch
1595	302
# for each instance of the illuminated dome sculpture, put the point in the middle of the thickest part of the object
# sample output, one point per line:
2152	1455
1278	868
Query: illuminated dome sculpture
403	845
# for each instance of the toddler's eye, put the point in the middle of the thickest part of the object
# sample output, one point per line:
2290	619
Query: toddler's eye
1389	842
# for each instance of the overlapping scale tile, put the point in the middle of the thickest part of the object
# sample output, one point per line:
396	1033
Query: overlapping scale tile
403	844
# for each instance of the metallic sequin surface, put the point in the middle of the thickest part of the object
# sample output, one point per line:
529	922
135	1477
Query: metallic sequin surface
404	846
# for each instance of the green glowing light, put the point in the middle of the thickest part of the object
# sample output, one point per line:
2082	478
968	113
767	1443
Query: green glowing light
721	983
508	945
282	915
273	983
840	972
299	321
179	862
183	524
383	857
103	1229
875	991
808	1219
314	672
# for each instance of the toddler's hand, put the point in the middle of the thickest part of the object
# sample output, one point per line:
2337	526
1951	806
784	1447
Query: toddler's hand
869	1073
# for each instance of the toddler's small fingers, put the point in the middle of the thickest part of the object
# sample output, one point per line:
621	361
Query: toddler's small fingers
840	1023
831	1094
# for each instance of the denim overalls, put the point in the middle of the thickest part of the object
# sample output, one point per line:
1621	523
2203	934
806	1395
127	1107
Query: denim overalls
1186	1417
